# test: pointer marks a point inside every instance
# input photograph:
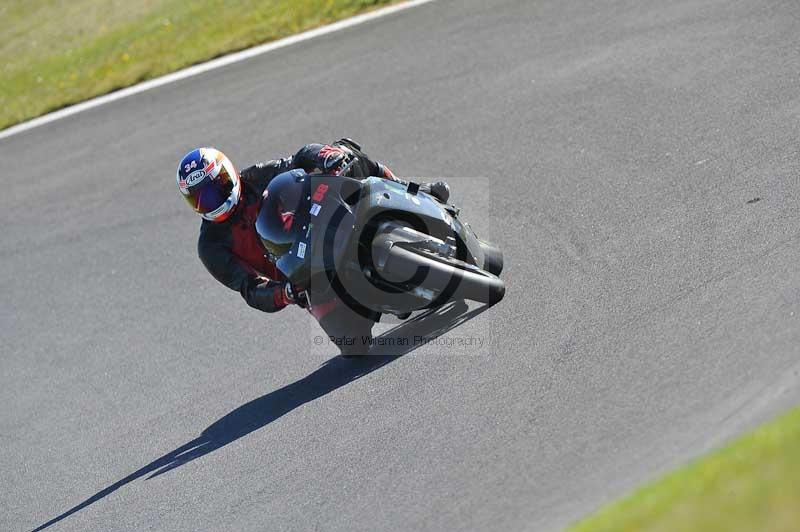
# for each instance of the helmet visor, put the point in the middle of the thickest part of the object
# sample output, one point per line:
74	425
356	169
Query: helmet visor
210	191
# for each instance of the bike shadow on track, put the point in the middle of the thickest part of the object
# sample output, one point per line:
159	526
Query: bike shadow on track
262	411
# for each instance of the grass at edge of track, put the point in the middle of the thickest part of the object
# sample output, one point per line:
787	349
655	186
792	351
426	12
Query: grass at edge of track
57	54
752	484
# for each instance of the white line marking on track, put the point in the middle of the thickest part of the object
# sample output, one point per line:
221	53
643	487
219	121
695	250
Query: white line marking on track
209	65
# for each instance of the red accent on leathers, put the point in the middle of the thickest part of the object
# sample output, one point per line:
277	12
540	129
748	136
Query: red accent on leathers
247	245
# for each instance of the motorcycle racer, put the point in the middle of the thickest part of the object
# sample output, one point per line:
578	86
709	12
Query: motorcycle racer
229	202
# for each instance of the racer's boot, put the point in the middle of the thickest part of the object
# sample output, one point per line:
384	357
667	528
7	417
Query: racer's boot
439	190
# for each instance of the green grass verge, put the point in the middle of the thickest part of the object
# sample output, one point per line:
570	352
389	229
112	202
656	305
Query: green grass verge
751	485
59	52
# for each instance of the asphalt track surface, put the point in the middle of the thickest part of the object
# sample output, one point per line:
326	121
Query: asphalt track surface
640	164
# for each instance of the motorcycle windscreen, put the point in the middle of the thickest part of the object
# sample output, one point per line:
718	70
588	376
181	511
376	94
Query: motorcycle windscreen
282	219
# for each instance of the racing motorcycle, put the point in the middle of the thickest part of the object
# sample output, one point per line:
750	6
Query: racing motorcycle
380	246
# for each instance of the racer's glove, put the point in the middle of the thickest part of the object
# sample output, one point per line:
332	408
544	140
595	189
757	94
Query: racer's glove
323	158
291	296
332	160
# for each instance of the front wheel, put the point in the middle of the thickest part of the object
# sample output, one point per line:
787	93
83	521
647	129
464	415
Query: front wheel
435	276
492	258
